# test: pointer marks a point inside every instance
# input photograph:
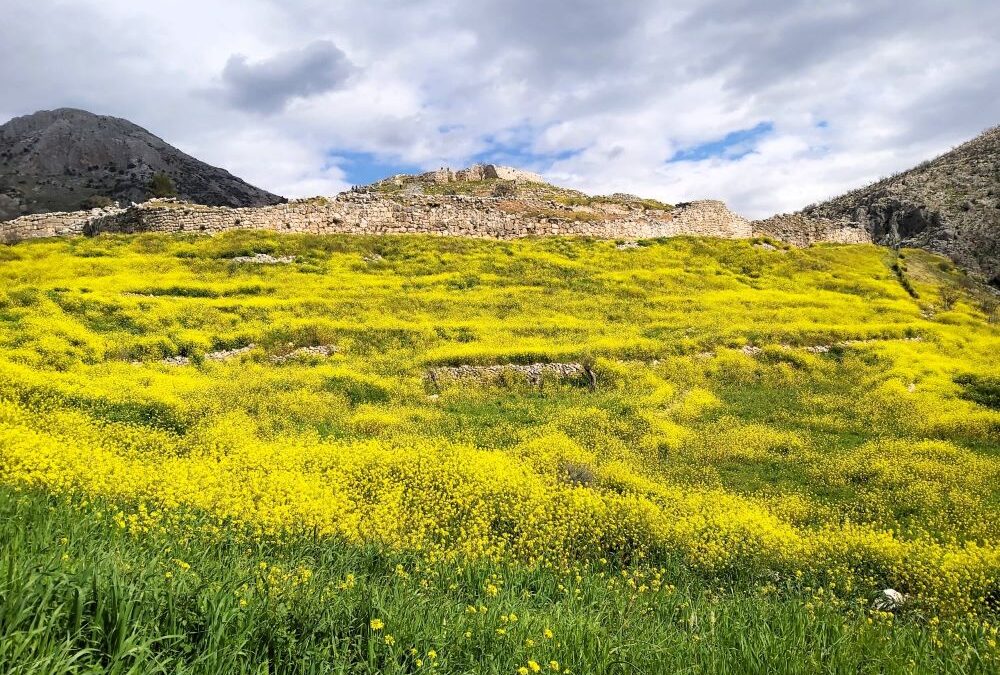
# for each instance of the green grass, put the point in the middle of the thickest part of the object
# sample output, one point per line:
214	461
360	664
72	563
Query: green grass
78	595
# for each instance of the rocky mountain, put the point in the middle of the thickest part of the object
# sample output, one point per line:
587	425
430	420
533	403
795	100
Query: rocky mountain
949	205
67	159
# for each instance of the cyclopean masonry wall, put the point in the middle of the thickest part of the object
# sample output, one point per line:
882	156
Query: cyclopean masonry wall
371	213
800	230
51	224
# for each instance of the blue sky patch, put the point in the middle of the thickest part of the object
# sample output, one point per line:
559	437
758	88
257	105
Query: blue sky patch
362	168
732	146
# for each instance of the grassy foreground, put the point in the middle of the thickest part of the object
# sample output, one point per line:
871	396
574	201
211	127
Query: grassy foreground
774	437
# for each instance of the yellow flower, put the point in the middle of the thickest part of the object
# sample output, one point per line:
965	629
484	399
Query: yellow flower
522	671
534	666
548	634
431	654
389	640
377	624
554	665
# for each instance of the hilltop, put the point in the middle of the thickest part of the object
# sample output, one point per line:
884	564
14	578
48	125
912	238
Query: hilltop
949	205
68	159
482	201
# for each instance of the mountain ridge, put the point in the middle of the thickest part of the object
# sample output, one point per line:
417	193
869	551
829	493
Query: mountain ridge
58	160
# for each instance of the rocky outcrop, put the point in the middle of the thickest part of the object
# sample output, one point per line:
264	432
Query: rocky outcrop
60	160
949	205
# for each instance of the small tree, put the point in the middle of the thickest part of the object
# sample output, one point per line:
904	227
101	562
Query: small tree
949	296
161	185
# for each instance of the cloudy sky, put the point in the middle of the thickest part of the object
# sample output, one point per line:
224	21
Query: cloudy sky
766	104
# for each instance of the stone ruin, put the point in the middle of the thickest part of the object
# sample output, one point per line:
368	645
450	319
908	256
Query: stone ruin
369	212
476	172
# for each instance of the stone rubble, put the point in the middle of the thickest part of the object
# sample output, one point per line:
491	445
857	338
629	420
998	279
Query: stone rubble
226	354
318	350
264	259
221	355
534	373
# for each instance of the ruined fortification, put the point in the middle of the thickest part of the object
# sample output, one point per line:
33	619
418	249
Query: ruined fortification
464	203
800	230
361	212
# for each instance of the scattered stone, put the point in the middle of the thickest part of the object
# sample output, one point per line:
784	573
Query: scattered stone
372	258
222	355
765	246
177	361
751	350
264	259
889	600
318	350
226	354
627	245
818	349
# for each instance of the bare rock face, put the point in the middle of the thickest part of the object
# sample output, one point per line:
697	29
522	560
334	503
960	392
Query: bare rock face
61	160
949	205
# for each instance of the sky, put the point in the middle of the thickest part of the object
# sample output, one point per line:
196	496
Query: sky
768	105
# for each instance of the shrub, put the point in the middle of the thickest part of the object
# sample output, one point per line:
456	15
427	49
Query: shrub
161	185
949	296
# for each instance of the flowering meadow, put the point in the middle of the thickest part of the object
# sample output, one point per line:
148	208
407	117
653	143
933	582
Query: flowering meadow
238	454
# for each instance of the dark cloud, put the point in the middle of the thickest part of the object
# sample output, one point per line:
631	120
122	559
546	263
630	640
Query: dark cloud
268	86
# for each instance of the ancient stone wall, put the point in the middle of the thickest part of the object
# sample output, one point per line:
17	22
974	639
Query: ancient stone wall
372	213
51	224
709	218
478	172
800	230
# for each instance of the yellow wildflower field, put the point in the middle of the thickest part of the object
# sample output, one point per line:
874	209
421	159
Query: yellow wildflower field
782	411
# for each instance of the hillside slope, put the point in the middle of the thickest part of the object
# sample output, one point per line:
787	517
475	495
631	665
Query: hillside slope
419	454
55	160
949	205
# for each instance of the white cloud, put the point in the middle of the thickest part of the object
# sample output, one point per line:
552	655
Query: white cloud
595	94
